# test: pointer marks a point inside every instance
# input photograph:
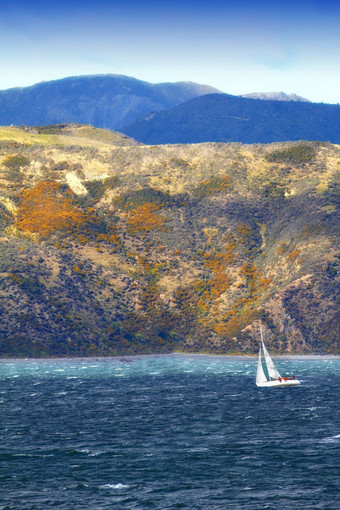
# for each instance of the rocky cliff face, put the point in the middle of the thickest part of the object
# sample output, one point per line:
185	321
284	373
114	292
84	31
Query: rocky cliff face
110	247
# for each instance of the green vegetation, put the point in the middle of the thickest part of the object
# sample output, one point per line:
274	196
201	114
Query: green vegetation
97	189
54	129
220	184
15	162
140	197
295	155
111	249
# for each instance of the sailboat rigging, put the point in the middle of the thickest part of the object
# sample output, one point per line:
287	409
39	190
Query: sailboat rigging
274	378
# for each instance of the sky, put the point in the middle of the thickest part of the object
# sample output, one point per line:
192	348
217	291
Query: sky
241	47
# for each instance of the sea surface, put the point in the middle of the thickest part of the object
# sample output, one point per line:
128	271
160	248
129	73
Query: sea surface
168	432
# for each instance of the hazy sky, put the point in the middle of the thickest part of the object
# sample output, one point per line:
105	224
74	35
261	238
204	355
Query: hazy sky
249	46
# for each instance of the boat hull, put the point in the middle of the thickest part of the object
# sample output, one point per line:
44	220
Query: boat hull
279	384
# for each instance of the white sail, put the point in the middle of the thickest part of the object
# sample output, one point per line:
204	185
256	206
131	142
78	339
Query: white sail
273	372
275	379
260	375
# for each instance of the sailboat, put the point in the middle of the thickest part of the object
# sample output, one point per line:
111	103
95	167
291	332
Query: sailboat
275	379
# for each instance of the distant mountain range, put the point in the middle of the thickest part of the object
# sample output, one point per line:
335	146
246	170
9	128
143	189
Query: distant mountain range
276	96
163	113
226	118
106	101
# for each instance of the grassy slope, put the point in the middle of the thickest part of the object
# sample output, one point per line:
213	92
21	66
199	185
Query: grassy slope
110	247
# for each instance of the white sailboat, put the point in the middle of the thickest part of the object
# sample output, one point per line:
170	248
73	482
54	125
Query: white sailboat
275	379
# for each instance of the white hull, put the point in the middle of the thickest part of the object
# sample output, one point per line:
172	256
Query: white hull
278	384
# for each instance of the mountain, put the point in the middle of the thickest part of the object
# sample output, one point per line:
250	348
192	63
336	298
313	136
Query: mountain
226	118
108	247
182	112
106	101
276	96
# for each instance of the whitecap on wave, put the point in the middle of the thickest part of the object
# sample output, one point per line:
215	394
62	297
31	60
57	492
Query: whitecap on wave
116	486
331	439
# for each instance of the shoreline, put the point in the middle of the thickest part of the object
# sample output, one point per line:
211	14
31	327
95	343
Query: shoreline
132	357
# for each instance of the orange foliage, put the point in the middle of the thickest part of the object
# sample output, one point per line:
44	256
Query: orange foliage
45	210
293	255
247	239
111	238
213	288
231	324
253	276
214	185
145	263
282	249
145	218
244	231
218	261
219	284
149	297
16	278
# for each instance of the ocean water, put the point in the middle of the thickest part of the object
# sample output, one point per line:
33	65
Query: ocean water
168	432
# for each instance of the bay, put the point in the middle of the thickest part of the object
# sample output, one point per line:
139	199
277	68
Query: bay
163	432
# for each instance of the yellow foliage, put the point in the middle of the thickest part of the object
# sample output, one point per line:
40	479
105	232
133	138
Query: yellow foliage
282	249
244	230
45	210
145	218
254	278
293	255
218	261
219	284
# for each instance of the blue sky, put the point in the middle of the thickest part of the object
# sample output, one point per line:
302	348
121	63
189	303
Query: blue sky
238	48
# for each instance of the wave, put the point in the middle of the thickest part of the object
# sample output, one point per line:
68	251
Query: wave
116	486
331	439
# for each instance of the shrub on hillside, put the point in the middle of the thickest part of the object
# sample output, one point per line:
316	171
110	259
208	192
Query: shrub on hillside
15	162
219	184
96	189
145	218
297	154
142	196
45	210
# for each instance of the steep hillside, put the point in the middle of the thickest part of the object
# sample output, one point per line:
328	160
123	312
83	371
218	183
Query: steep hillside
225	118
109	247
105	101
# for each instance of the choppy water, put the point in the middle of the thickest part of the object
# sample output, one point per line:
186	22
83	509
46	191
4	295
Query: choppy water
169	432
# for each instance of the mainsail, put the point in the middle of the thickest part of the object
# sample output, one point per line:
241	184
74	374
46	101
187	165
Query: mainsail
269	376
273	372
260	375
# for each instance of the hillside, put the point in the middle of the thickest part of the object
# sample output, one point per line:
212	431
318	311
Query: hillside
225	118
108	247
104	101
